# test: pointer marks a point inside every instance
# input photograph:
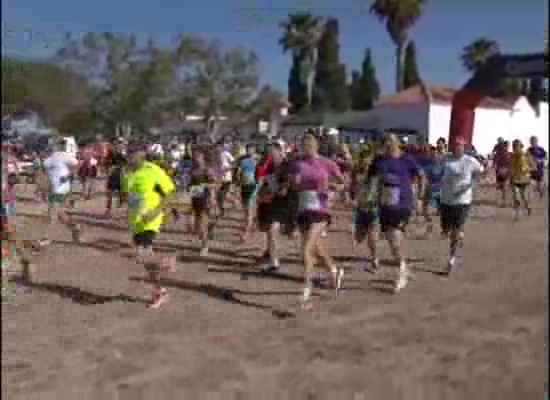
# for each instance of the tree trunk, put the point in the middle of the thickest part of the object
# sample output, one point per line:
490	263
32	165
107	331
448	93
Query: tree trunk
399	56
311	76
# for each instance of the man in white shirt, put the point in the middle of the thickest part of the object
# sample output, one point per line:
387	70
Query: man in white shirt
60	167
226	165
457	185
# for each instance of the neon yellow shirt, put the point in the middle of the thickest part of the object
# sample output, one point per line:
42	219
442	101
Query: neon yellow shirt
144	187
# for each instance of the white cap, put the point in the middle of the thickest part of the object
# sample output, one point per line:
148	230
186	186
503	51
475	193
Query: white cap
333	132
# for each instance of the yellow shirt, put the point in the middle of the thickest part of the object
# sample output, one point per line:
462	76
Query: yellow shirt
520	167
146	186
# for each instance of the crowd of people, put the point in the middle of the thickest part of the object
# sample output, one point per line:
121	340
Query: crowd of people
284	190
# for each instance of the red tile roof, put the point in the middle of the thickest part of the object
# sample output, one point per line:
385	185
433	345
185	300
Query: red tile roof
440	94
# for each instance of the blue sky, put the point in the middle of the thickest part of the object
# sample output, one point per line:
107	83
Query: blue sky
36	28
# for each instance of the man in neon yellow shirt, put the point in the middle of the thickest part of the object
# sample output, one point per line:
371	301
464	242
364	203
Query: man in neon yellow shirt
149	191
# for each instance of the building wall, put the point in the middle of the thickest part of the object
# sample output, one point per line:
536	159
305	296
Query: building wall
406	116
490	124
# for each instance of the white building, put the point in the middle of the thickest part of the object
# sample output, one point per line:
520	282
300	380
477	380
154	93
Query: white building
427	110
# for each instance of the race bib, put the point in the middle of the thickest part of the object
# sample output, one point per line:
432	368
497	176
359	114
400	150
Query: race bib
197	190
248	178
389	196
309	200
134	200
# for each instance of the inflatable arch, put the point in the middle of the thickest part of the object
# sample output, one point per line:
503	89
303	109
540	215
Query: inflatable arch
487	81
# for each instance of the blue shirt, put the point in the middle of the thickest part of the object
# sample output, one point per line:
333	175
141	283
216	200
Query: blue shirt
247	168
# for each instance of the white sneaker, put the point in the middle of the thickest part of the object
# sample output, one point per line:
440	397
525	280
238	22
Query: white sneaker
403	278
271	266
306	294
324	234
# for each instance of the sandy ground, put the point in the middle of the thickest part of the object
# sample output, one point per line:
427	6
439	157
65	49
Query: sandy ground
83	331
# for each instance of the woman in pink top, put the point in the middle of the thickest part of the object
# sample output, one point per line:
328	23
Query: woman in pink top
312	178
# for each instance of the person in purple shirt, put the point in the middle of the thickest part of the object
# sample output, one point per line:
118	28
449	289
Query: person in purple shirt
392	174
312	178
538	156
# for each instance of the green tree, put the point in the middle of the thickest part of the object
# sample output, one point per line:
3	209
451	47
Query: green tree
301	33
223	82
365	88
398	16
330	84
341	96
476	54
129	82
47	88
411	76
297	89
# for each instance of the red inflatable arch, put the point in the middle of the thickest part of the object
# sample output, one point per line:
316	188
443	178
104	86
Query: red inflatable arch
487	81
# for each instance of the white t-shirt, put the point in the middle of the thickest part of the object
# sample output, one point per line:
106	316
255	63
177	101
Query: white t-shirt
458	180
58	168
227	162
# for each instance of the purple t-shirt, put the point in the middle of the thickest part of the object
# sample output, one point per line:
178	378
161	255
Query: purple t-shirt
396	178
539	156
310	176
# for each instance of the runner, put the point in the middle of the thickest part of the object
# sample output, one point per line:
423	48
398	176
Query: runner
87	173
432	166
501	161
392	174
201	186
119	162
459	174
520	172
538	156
60	167
246	172
273	207
366	215
149	192
226	165
313	177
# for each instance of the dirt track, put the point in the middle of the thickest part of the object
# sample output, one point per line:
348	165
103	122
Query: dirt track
83	332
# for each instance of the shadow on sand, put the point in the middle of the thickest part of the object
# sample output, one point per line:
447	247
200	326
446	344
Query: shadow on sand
220	293
79	296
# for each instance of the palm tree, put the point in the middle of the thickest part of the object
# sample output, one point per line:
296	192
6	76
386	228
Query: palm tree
399	16
478	52
301	33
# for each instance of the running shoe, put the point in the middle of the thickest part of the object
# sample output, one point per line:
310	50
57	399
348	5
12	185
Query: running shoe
158	298
454	261
271	266
403	277
371	265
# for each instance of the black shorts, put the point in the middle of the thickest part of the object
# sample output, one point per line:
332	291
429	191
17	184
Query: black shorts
144	239
502	180
394	218
453	217
305	221
537	175
113	183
